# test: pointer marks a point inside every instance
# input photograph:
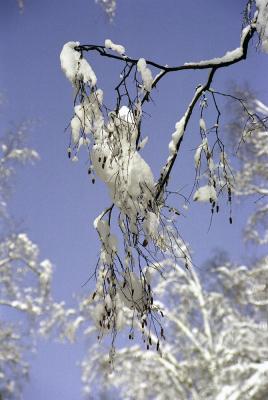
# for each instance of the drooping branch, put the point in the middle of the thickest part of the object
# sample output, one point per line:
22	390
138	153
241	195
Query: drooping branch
230	58
146	221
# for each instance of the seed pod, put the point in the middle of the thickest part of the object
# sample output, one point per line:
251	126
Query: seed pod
145	242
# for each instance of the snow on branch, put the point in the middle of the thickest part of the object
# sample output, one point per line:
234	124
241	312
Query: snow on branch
140	206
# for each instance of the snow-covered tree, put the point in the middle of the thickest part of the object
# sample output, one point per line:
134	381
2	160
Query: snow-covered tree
27	306
215	326
249	133
140	203
215	347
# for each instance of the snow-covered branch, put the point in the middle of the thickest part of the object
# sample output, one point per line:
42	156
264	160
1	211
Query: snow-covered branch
140	203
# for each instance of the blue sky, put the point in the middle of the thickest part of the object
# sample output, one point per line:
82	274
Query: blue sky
54	200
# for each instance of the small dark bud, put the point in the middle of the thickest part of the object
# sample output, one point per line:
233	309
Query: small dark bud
69	152
157	345
231	220
217	209
145	242
93	181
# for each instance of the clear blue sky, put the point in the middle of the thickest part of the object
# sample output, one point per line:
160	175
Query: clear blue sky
55	199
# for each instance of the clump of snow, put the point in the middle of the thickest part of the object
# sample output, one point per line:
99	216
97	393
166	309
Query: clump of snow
88	118
197	154
146	74
176	136
151	224
75	67
108	240
205	193
118	48
202	125
117	162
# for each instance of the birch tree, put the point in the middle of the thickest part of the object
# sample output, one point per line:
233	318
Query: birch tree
26	302
248	133
216	334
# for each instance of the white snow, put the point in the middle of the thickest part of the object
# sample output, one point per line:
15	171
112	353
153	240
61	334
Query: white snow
146	74
118	164
205	193
151	224
75	67
262	22
176	136
202	124
118	48
229	56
